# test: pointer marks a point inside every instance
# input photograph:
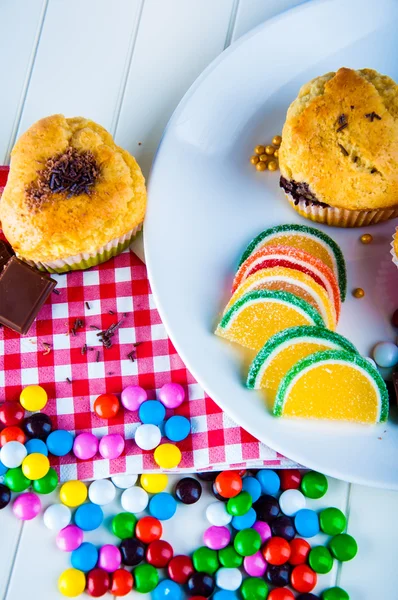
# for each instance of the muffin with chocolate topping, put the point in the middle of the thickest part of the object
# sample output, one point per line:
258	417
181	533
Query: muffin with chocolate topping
73	198
339	151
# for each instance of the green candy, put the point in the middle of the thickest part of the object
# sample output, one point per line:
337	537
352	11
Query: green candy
254	588
16	480
123	525
343	547
314	485
205	560
320	560
247	542
146	578
46	484
335	593
332	521
240	504
229	558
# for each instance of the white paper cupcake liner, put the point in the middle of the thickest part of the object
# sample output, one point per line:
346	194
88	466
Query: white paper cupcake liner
392	251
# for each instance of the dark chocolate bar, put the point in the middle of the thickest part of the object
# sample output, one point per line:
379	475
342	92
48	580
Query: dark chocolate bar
5	254
23	291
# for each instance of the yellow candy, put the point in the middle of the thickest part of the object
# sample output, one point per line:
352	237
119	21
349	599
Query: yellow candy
35	466
72	583
73	493
167	456
154	483
33	398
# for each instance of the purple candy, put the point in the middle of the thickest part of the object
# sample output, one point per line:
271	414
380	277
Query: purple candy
26	506
263	529
217	538
69	538
109	558
111	446
85	446
171	395
133	396
255	565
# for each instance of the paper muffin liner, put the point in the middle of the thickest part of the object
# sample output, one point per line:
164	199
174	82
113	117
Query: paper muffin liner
341	217
393	253
85	260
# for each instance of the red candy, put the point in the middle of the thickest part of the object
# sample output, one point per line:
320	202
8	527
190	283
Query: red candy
180	569
12	434
11	413
106	406
148	529
197	598
290	479
280	594
97	583
277	551
122	582
228	484
159	553
303	578
300	550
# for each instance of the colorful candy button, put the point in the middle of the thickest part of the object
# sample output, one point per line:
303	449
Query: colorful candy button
147	437
303	578
101	492
263	529
269	481
245	521
27	506
154	483
73	493
146	578
11	413
217	514
224	595
162	506
106	406
72	583
122	583
267	508
254	588
180	569
35	466
152	412
283	527
290	479
277	551
314	485
85	446
247	542
205	560
188	490
167	590
159	553
59	442
253	487
13	433
123	482
320	560
109	558
171	395
335	593
167	456
228	579
5	496
332	521
299	551
98	582
177	428
13	454
132	551
281	594
229	557
133	396
69	538
228	484
46	484
385	354
255	565
33	398
38	426
16	480
89	517
36	447
291	501
111	446
343	547
3	469
148	529
57	517
217	537
201	584
306	522
278	575
240	504
85	557
134	500
123	525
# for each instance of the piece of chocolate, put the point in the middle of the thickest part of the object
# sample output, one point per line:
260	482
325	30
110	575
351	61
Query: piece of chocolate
5	254
23	291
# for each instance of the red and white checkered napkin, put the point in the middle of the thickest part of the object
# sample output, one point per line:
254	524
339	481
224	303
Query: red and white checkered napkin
119	286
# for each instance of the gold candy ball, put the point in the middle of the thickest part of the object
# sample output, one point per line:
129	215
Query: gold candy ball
269	150
366	238
276	153
261	166
254	160
277	140
358	293
272	165
259	150
264	157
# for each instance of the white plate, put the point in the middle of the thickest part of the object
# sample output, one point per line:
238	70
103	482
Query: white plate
206	202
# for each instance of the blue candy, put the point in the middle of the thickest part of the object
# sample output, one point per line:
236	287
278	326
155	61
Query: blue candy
167	589
269	481
85	557
3	469
89	516
252	486
59	442
152	412
162	506
385	354
306	523
224	595
36	446
177	428
245	521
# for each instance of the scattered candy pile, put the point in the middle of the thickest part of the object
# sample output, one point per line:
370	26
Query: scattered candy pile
266	157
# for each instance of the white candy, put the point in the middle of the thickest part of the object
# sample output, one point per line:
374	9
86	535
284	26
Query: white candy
134	500
216	514
291	501
124	481
147	436
57	516
101	492
12	454
228	579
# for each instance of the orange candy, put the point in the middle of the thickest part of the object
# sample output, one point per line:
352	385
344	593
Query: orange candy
148	529
122	582
228	484
300	550
12	434
106	406
277	551
303	578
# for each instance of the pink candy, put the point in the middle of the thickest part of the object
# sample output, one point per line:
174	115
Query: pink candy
216	537
109	558
85	446
69	538
133	396
171	395
111	446
255	565
263	529
26	506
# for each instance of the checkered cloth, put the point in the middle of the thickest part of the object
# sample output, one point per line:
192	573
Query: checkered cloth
50	355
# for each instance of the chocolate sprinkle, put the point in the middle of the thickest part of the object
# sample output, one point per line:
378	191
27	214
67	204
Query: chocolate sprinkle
343	126
94	327
342	120
68	380
55	291
300	191
88	306
84	349
110	312
97	357
344	151
372	116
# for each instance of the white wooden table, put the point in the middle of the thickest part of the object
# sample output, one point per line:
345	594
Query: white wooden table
126	64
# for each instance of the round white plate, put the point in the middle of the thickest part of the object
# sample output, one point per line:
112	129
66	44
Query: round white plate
206	202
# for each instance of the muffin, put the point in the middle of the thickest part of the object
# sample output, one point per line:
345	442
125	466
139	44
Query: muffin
339	151
73	198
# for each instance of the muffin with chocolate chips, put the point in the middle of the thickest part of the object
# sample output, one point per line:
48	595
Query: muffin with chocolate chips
73	198
339	152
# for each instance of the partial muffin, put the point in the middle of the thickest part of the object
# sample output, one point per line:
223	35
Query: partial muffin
73	198
339	151
394	248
